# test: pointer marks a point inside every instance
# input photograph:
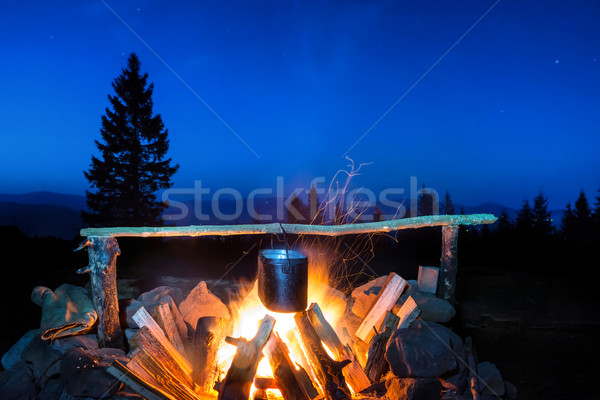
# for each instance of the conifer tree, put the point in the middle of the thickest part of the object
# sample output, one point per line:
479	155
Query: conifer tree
314	211
542	223
596	213
425	202
583	214
505	225
568	222
133	163
524	222
449	208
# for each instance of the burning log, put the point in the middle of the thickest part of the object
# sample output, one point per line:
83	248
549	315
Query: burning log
377	365
144	339
165	320
354	374
144	320
102	254
263	383
168	380
388	296
240	375
137	383
292	385
209	335
328	371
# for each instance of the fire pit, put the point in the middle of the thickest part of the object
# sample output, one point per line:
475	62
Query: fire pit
316	342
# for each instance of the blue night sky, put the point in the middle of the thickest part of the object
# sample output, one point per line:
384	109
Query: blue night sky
512	109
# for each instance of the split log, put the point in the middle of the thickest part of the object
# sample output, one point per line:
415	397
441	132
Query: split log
240	375
143	319
102	268
168	381
386	298
180	322
144	339
136	383
377	365
165	320
328	371
293	229
287	379
208	338
408	312
449	263
263	383
355	376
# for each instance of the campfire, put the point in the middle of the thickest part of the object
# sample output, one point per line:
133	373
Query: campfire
287	335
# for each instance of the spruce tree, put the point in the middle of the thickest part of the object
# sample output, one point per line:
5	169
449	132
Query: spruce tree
525	219
449	208
542	223
505	225
133	164
583	214
596	213
425	202
568	222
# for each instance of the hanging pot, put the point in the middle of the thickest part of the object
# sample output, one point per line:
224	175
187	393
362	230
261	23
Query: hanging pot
283	280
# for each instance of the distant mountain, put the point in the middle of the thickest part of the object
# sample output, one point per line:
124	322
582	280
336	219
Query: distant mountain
42	219
73	201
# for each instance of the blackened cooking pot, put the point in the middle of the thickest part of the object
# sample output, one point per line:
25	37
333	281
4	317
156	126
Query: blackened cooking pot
283	280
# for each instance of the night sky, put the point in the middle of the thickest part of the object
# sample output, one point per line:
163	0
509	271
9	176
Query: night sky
511	109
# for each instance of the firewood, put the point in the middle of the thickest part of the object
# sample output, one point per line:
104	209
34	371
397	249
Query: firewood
354	374
165	320
286	376
102	268
295	229
328	371
240	375
143	319
136	383
377	365
386	298
293	341
472	362
168	381
263	383
408	312
180	322
144	339
208	338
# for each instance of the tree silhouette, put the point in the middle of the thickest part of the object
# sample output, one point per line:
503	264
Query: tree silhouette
542	223
314	212
596	213
297	212
568	222
583	214
425	202
133	163
524	221
449	208
505	225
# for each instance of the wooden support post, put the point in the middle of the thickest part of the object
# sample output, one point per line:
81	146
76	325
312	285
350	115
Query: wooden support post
449	263
240	375
355	376
102	268
328	371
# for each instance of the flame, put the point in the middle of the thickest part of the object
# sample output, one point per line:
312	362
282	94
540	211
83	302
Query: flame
249	311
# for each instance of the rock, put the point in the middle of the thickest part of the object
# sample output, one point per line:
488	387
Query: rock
83	372
510	390
13	356
158	293
432	308
455	383
492	383
86	342
202	303
413	389
364	296
40	356
17	383
420	353
127	289
51	391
